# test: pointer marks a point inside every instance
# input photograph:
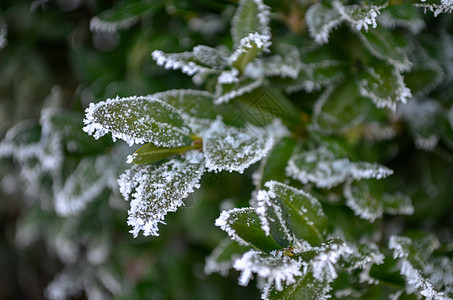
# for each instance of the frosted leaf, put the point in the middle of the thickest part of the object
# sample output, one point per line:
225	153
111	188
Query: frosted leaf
286	64
243	226
421	117
122	16
210	57
194	106
388	46
321	19
3	34
229	148
437	7
384	85
328	255
360	200
228	77
275	268
321	167
412	254
360	16
157	190
363	256
299	212
273	217
184	61
306	287
251	16
439	271
84	184
137	120
248	48
316	75
222	258
397	204
339	108
402	15
224	92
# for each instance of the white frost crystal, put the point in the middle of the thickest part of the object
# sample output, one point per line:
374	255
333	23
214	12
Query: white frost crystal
232	149
321	167
137	120
157	190
274	268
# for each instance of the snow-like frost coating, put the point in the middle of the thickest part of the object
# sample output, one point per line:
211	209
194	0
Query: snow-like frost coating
274	268
231	149
157	190
320	167
321	19
137	120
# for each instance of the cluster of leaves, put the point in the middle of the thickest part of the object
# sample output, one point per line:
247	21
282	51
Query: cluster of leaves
340	93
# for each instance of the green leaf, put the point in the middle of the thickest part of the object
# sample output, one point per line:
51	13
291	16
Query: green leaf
226	91
273	167
339	109
362	202
388	46
285	63
404	15
426	73
150	153
243	226
159	189
316	75
123	15
248	48
304	212
231	149
397	204
321	167
251	16
321	19
223	256
137	120
361	15
263	105
306	287
384	85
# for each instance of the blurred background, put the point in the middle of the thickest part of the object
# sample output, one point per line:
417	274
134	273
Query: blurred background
63	232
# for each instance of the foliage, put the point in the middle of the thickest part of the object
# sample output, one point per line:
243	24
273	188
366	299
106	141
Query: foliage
325	126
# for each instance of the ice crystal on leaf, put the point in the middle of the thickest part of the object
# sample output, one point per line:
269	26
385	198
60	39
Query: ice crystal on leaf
232	149
438	7
321	167
251	16
321	19
159	189
384	86
137	120
298	213
284	64
360	16
274	268
222	258
412	254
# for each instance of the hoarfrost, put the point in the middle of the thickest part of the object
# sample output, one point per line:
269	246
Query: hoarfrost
286	65
388	97
183	61
229	148
359	16
225	92
241	26
217	262
321	19
446	6
228	217
97	24
320	167
257	40
137	120
275	268
364	205
413	275
323	264
157	190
